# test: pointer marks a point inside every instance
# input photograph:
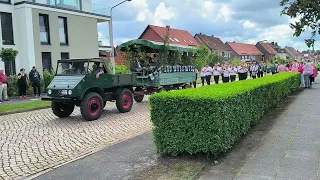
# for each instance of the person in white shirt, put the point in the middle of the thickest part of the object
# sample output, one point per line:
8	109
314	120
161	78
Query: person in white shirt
242	72
203	75
216	73
233	73
208	74
226	74
254	70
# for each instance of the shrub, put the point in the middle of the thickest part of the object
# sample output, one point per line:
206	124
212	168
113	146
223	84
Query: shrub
13	89
121	69
212	118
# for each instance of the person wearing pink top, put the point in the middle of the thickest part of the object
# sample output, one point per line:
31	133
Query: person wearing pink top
307	71
314	74
282	68
294	66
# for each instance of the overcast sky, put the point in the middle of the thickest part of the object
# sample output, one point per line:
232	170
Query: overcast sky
245	21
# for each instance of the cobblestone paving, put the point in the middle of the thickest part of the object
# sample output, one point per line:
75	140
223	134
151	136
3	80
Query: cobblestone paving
35	141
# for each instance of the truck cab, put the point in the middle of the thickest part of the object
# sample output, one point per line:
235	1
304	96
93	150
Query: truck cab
88	84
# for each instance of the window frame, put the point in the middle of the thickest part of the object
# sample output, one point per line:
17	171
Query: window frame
47	27
7	43
5	2
65	26
43	68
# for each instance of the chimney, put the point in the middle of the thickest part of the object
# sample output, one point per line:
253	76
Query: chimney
272	43
200	33
168	27
276	44
234	42
212	35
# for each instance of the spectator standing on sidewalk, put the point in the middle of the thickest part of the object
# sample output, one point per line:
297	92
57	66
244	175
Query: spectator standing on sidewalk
34	77
22	84
3	86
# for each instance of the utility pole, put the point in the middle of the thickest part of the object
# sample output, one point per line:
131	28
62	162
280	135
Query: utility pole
111	37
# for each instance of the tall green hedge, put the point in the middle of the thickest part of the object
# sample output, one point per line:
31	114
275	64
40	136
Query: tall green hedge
212	118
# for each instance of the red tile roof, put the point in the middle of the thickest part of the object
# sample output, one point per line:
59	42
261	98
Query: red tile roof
244	49
212	42
176	36
268	48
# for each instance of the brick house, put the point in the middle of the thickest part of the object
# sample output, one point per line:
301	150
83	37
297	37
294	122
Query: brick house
215	45
268	52
176	36
245	52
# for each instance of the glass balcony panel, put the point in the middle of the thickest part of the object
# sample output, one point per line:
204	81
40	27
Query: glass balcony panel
103	41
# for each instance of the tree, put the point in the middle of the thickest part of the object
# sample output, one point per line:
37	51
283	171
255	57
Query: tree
308	13
215	58
203	56
236	61
9	55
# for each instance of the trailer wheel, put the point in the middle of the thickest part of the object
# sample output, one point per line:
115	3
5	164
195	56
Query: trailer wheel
62	110
124	100
91	106
138	97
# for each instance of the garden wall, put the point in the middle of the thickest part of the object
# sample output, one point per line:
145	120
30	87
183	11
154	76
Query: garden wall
211	119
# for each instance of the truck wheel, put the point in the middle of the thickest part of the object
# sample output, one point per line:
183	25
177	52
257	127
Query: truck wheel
138	97
62	110
124	101
91	106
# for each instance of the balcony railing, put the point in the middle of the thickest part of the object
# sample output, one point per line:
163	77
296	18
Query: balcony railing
77	5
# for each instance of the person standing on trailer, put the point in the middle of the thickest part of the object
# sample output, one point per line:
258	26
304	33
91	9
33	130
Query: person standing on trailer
203	75
208	74
216	73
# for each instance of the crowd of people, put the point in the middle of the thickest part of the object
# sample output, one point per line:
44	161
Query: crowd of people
228	72
22	83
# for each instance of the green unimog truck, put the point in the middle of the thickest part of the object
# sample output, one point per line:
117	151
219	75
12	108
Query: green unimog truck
86	83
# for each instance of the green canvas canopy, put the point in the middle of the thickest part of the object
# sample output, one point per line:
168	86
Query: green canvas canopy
152	46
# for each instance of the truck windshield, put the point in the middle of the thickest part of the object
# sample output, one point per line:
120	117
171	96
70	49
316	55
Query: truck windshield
72	68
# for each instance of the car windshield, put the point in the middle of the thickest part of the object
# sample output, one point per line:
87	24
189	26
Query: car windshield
73	68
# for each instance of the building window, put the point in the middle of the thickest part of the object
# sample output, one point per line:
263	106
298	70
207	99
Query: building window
5	1
63	30
10	67
46	61
7	29
64	56
44	29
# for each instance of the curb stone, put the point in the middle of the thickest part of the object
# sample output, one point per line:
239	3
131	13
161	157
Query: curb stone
22	111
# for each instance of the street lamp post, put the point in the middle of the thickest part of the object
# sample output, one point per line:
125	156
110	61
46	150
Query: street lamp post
111	37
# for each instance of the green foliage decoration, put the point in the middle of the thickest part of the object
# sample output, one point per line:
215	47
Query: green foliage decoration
211	119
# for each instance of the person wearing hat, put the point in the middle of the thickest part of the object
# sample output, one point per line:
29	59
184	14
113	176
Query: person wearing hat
34	77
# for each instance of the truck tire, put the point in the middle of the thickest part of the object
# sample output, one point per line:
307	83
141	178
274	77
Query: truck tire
138	97
91	106
124	100
62	110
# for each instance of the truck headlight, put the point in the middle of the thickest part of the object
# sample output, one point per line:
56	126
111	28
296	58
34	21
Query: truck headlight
49	91
70	92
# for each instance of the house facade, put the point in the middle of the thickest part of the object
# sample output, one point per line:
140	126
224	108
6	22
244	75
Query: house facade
215	45
267	50
293	53
245	52
176	36
46	31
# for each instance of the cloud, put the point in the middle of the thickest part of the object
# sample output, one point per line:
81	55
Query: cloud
248	24
230	20
225	13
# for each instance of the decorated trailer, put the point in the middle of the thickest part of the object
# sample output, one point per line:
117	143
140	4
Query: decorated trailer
159	66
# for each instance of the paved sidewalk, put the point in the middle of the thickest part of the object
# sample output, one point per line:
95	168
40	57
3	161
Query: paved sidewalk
290	150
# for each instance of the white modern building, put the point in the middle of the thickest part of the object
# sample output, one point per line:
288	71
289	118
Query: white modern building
44	31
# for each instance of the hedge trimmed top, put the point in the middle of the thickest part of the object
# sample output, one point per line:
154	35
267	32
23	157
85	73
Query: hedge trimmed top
224	91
